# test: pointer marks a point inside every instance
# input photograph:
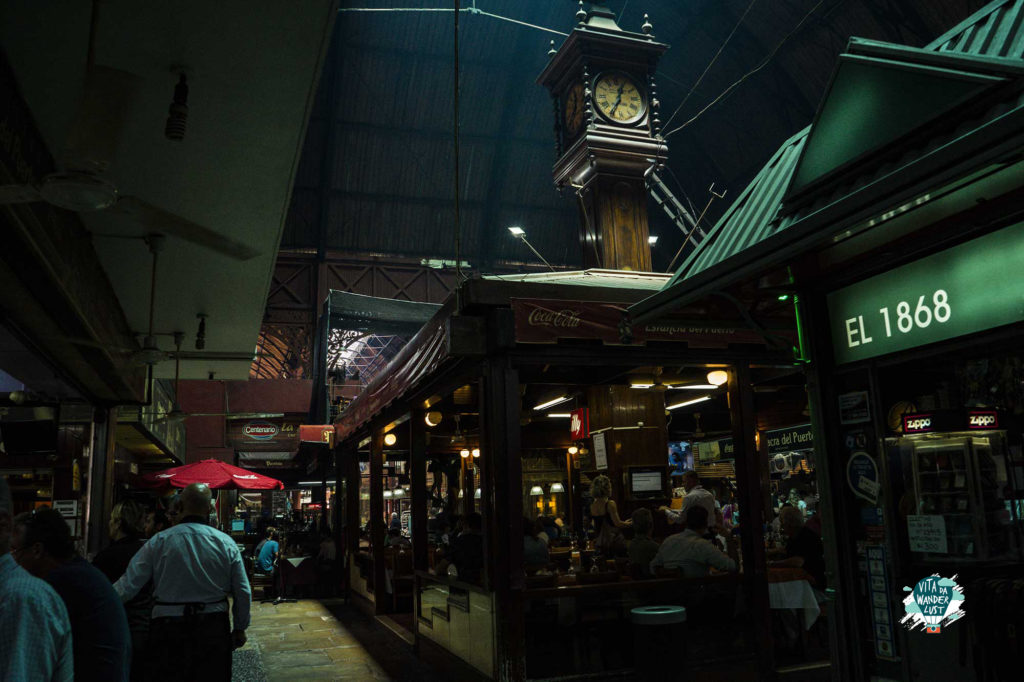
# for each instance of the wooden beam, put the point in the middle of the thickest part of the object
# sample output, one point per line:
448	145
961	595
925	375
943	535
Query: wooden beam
750	494
502	504
377	517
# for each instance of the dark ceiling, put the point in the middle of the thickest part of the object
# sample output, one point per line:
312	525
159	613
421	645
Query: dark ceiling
377	169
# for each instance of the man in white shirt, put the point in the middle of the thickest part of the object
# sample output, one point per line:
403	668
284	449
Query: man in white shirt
689	551
696	496
193	568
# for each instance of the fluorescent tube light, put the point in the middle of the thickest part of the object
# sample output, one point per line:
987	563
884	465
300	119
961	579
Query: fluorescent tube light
689	402
550	403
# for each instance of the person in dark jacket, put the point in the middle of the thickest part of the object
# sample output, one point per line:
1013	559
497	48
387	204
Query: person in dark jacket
468	550
127	525
100	637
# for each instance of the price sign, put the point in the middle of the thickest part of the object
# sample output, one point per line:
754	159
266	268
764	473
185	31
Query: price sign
968	288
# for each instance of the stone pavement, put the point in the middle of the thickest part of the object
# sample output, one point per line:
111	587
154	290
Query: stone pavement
323	640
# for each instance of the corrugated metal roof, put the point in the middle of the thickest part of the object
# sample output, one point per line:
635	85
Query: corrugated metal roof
751	218
994	31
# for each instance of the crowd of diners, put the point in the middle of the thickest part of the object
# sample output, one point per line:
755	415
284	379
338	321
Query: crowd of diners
703	538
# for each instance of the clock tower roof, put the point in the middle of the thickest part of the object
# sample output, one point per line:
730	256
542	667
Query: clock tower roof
599	38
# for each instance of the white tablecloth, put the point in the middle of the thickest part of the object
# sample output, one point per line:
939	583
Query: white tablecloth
795	594
296	560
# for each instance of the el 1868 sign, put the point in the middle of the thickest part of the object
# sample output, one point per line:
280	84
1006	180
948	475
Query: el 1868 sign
968	288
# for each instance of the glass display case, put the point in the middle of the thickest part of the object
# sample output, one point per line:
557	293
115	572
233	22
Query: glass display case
962	479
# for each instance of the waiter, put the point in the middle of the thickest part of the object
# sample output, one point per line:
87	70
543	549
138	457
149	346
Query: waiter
696	496
193	568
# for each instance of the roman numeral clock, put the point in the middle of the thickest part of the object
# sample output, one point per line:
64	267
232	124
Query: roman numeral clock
607	134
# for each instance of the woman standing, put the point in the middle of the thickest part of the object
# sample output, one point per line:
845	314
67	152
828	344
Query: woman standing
126	526
605	515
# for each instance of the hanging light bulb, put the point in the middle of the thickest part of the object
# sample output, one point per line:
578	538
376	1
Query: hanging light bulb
433	418
476	452
390	439
557	487
464	453
573	449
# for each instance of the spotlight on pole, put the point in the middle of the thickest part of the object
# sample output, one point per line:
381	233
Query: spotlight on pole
520	233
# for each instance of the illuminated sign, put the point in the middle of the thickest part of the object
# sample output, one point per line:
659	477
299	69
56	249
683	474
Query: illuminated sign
579	424
917	423
260	430
982	420
969	288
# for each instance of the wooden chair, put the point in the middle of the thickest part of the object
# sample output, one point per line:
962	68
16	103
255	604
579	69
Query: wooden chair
402	583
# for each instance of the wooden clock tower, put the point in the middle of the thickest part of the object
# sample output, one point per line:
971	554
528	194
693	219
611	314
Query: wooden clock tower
607	134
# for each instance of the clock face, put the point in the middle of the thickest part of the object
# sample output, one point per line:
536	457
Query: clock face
618	98
574	109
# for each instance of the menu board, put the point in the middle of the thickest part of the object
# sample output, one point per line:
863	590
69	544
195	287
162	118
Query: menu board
600	452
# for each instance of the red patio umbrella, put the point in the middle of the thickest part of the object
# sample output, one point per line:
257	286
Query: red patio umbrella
214	473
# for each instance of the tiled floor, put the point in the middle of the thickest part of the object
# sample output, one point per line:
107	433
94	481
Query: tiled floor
323	640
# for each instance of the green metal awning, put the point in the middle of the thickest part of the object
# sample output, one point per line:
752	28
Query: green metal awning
885	117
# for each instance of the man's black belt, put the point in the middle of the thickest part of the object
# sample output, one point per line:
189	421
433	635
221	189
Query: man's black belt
192	608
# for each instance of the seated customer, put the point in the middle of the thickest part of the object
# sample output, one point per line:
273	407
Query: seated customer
268	554
689	551
535	550
468	549
642	549
803	548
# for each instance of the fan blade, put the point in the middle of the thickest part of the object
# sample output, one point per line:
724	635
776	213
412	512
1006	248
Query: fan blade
18	194
245	356
158	220
106	102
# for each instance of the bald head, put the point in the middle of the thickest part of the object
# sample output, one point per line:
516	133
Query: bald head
195	500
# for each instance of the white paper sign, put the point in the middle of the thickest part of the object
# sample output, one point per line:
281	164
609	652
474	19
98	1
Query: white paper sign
67	508
927	533
600	452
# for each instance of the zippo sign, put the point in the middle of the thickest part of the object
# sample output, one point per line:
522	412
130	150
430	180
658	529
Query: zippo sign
579	424
260	430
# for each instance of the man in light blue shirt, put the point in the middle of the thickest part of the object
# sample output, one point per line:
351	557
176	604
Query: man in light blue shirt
268	554
35	633
193	568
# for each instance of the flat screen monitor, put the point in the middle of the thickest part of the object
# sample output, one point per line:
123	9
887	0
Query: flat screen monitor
237	525
680	457
647	482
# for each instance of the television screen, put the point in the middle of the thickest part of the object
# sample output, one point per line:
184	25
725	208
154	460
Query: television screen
680	457
646	481
238	525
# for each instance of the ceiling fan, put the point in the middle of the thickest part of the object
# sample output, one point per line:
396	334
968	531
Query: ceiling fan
150	353
80	186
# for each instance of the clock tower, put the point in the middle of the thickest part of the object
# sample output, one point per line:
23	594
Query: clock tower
608	134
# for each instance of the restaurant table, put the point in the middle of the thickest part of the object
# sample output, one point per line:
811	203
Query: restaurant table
790	588
297	571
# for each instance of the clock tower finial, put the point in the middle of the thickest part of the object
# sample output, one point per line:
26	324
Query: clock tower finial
608	133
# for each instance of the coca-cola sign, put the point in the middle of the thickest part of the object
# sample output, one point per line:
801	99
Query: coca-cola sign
260	430
548	321
543	317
